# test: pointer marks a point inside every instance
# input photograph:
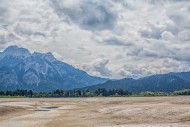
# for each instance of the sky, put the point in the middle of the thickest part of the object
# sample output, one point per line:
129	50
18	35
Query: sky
110	38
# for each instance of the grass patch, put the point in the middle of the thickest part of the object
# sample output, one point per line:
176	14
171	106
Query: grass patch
12	97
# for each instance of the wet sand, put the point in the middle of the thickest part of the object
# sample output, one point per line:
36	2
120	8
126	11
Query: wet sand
95	112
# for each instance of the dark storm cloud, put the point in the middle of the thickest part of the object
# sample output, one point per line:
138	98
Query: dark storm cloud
117	42
3	13
88	14
2	39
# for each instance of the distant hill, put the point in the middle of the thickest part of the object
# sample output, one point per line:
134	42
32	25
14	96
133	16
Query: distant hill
162	82
20	69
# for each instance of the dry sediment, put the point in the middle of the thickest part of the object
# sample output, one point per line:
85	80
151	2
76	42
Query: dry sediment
96	112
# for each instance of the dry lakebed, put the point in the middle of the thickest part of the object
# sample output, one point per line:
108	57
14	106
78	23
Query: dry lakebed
95	112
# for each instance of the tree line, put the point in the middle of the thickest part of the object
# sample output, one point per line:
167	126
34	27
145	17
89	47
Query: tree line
182	92
87	93
66	93
27	93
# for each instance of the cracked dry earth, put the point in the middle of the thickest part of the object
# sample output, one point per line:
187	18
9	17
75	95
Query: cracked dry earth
95	112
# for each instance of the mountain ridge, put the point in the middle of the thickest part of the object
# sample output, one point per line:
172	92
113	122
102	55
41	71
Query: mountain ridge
39	71
168	82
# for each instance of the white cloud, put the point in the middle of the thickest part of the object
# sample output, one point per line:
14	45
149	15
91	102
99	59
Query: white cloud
101	67
111	39
184	35
167	36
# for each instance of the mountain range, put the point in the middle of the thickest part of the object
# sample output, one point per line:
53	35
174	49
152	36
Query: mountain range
20	69
161	82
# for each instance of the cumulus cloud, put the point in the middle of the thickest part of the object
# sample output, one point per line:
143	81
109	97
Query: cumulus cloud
152	31
112	39
167	36
100	66
184	35
160	66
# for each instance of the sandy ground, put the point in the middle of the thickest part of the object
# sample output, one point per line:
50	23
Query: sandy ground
96	112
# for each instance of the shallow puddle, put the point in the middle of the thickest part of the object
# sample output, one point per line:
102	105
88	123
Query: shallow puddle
51	107
41	110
